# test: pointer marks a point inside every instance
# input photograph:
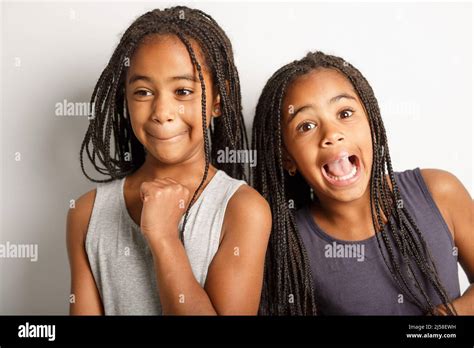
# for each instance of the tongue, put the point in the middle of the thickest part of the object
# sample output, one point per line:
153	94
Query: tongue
339	168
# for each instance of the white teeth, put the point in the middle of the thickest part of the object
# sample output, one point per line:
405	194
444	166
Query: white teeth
345	177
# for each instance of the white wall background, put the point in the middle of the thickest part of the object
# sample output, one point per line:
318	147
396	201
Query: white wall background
418	58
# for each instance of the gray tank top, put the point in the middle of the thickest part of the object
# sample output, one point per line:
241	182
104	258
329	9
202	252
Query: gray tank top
351	278
119	256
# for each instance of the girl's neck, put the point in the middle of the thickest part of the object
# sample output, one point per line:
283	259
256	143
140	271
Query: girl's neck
345	220
188	173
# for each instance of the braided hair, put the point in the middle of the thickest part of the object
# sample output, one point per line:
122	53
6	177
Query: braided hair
288	271
110	143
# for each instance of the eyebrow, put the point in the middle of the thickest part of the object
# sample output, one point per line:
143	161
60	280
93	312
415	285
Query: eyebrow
187	77
339	97
311	106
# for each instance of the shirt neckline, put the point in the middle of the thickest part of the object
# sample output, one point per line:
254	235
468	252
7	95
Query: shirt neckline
316	228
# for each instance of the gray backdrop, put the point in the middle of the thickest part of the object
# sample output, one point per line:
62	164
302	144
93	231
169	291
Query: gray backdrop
418	58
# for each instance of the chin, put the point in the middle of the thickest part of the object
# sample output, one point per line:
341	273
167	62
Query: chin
167	157
349	195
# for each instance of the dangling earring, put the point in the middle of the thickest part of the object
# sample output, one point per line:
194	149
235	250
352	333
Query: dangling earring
292	172
125	109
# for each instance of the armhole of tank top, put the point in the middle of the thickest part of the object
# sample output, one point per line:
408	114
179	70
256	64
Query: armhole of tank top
91	227
429	198
234	187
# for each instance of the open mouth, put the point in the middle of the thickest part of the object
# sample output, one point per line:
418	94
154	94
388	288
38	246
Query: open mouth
343	171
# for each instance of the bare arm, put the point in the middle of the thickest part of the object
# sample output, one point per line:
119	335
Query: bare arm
456	206
85	299
235	276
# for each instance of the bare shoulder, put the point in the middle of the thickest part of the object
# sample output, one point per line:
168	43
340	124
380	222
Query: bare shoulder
79	216
247	201
248	208
441	183
449	194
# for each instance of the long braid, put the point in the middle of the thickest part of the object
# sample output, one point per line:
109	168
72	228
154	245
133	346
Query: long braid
204	127
285	246
287	272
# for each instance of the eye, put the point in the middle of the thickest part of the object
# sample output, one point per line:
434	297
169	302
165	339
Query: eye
305	127
183	92
346	113
143	93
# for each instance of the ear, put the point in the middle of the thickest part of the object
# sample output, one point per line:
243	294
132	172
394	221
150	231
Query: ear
288	162
216	106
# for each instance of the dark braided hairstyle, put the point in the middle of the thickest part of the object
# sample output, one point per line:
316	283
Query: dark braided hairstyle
287	267
110	121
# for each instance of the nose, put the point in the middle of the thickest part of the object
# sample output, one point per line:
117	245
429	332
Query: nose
161	111
332	135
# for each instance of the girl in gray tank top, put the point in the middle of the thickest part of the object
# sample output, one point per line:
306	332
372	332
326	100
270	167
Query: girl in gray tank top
173	229
350	235
120	257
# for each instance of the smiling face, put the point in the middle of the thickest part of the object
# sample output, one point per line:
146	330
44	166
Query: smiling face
327	136
163	94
